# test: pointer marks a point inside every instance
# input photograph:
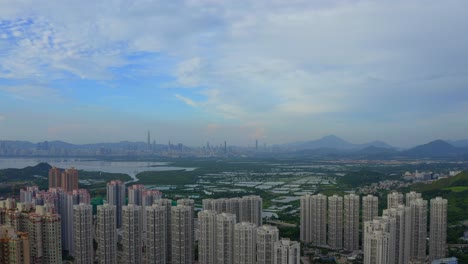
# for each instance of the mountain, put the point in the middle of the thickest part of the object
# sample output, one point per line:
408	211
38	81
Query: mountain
437	148
463	143
334	142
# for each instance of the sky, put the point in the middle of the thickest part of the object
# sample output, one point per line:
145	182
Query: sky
193	71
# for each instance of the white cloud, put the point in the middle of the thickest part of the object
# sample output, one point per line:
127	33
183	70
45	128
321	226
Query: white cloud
186	100
188	72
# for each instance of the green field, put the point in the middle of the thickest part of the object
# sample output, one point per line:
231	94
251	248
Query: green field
456	188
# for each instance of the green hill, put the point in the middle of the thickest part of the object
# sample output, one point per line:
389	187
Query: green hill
455	190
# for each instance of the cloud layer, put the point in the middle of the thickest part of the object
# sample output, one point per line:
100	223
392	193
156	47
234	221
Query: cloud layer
286	70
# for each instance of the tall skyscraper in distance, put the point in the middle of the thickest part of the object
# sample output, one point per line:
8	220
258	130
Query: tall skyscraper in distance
106	234
438	228
370	207
83	233
394	199
132	240
225	223
267	236
116	196
335	222
156	248
351	222
149	140
182	234
287	252
418	230
207	237
256	144
245	236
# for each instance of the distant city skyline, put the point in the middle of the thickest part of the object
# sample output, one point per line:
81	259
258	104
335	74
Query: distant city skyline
195	71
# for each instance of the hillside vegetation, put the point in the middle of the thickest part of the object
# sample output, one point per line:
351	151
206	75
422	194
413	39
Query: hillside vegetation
455	190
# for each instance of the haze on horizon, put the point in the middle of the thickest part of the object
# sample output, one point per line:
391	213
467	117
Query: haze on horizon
193	71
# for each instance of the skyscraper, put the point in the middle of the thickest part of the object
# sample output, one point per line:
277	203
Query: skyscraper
418	230
286	252
267	236
116	196
370	207
402	236
83	233
132	240
156	248
314	219
135	194
335	222
377	241
190	203
351	222
394	199
225	223
182	234
412	196
245	236
438	228
250	209
14	246
106	234
207	237
68	179
168	237
45	236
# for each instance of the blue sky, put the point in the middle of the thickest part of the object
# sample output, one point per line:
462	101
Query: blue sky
193	71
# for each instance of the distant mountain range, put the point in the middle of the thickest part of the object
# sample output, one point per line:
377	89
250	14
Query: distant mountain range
327	147
334	142
338	147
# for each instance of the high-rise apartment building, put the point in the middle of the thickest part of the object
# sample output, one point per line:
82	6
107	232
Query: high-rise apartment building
412	196
68	179
251	209
225	223
438	228
135	194
45	236
402	232
246	209
83	233
14	246
370	207
335	222
351	222
286	252
106	234
191	204
116	196
245	236
157	225
207	237
167	203
377	242
132	240
267	236
314	219
394	199
182	231
418	230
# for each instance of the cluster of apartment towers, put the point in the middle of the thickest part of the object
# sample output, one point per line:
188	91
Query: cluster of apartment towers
150	229
397	237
